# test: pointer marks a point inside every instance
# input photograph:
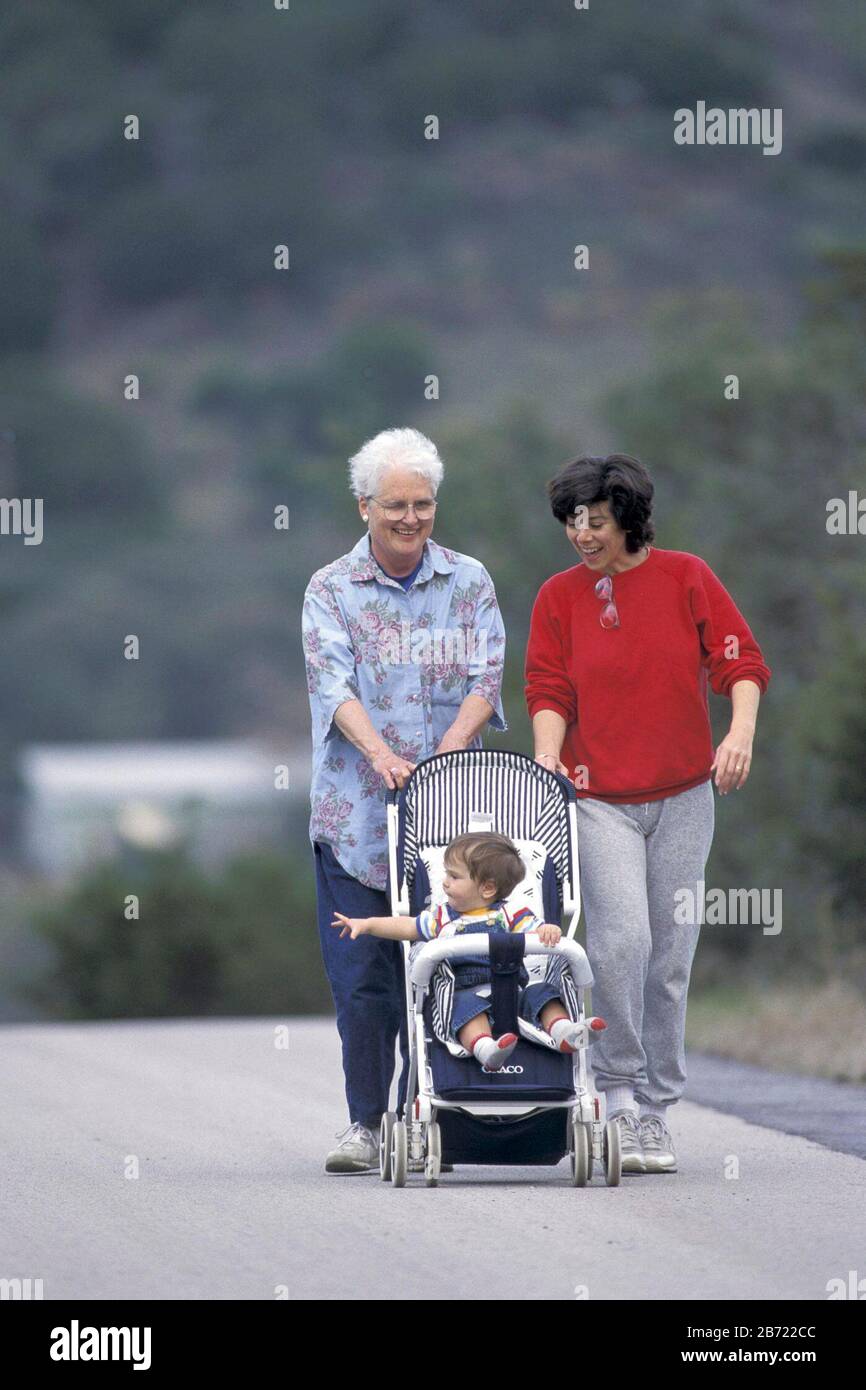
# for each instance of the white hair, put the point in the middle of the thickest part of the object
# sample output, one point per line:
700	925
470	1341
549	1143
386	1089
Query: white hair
394	449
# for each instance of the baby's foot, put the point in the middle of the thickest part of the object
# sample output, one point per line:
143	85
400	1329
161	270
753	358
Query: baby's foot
571	1037
493	1053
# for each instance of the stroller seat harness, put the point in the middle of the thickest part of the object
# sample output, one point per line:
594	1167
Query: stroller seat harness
506	956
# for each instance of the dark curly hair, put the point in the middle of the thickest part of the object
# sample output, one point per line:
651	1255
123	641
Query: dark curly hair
619	479
488	856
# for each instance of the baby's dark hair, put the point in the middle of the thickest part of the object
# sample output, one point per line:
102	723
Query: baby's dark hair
489	856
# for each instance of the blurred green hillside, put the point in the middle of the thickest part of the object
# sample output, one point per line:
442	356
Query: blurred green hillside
452	257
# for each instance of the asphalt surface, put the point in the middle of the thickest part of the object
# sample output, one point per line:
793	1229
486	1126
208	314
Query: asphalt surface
184	1160
832	1113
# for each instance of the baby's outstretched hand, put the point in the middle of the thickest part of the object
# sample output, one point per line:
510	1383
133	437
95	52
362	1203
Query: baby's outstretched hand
351	926
549	934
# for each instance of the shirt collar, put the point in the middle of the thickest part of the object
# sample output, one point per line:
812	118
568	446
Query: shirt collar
477	911
435	559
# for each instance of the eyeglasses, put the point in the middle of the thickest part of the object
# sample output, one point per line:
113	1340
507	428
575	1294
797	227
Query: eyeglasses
608	617
395	511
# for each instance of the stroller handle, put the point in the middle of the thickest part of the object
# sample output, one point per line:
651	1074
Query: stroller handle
478	944
393	794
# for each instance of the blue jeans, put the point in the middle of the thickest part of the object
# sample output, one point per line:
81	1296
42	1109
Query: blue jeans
532	999
367	984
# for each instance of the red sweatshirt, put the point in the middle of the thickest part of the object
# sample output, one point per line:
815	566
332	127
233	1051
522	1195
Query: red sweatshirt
634	697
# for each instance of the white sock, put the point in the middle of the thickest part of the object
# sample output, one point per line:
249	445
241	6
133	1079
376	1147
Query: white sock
661	1111
493	1053
565	1030
620	1098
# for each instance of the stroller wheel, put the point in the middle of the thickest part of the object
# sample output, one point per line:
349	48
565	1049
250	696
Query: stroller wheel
589	1149
399	1153
612	1154
581	1155
385	1130
433	1159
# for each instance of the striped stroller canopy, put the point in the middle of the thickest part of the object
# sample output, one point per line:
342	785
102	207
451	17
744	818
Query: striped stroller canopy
452	793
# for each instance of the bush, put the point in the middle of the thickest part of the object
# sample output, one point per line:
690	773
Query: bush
244	942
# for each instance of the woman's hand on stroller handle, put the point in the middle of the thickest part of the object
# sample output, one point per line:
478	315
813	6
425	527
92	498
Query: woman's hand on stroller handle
553	763
393	769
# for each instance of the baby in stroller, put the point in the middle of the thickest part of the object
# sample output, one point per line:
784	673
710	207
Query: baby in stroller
481	870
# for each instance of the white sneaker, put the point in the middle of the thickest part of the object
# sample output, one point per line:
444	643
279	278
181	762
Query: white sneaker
658	1146
357	1152
631	1144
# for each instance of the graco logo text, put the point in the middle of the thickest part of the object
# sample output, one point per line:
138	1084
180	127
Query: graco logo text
736	126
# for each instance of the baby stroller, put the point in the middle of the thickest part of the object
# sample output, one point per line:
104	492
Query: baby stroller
540	1107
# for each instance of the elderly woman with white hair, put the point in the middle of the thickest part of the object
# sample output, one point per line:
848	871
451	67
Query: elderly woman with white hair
404	648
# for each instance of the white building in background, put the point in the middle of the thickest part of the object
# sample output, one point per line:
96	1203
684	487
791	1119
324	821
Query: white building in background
89	801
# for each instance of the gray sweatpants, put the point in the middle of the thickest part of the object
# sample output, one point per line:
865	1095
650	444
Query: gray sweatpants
633	859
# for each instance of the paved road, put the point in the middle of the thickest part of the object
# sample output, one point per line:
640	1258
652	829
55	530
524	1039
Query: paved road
228	1133
831	1112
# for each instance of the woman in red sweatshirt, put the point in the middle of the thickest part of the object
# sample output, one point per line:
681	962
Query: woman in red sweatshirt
622	646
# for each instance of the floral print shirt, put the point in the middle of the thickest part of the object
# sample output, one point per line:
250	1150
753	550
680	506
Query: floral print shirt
411	657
